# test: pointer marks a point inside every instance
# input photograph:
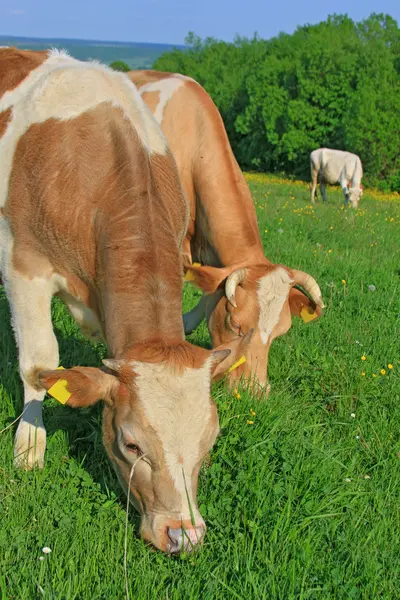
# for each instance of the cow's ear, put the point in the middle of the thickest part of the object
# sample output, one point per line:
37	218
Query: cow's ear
299	301
80	386
227	355
209	279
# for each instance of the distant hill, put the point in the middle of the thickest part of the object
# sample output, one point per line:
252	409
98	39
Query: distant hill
137	55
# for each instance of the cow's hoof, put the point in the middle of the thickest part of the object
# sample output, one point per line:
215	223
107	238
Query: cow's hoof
29	446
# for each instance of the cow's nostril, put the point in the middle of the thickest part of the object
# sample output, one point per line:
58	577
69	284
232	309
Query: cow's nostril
182	539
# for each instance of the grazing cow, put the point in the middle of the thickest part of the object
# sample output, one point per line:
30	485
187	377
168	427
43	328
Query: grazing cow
244	290
336	166
92	210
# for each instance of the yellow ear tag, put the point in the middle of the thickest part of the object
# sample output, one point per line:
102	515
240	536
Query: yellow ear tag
59	390
308	316
237	364
189	275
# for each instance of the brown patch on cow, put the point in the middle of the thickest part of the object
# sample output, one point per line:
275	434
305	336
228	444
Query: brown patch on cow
152	99
15	66
91	174
178	356
5	118
140	78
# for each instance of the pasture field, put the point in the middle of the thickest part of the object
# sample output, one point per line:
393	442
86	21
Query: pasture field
301	492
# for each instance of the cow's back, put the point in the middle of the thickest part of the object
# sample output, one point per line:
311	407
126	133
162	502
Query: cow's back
80	140
334	164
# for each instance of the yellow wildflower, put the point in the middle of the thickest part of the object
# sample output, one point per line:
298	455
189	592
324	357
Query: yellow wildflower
250	422
363	374
373	374
383	372
344	281
363	357
390	366
253	412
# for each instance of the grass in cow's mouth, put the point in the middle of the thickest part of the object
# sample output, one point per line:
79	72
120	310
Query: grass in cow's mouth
302	503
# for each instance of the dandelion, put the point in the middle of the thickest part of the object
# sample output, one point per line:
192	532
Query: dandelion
390	366
344	281
253	412
331	227
46	550
363	357
383	372
353	415
363	374
250	422
238	396
329	251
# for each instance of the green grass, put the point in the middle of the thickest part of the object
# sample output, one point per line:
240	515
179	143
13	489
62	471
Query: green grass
289	509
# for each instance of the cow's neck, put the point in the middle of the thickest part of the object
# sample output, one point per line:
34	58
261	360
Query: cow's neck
139	286
225	208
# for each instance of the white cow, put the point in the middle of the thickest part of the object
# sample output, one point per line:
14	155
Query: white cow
336	166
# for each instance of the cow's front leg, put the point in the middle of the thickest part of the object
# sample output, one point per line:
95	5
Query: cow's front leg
30	302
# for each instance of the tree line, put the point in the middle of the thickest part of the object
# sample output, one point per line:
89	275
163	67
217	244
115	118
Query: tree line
334	84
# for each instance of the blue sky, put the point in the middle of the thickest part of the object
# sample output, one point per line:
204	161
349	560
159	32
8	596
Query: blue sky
170	20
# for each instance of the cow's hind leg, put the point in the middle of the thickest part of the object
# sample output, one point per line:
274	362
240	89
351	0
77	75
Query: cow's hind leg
30	302
323	190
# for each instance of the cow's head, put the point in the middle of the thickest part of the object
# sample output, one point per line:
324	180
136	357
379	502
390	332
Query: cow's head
354	195
260	298
157	408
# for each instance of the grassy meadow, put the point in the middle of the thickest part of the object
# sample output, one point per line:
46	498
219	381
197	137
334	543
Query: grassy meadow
301	499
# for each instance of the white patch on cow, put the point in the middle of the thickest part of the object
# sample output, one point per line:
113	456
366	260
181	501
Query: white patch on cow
273	290
179	410
53	90
167	88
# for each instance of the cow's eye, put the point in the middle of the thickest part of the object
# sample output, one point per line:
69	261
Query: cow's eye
133	448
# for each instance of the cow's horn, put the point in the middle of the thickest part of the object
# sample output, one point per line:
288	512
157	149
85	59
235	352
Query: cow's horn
113	364
310	285
234	279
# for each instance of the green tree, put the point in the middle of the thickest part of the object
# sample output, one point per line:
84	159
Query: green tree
120	65
333	84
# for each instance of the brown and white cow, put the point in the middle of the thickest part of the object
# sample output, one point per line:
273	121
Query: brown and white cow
244	290
92	210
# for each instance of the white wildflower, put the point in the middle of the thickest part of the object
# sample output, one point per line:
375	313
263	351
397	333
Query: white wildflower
46	550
